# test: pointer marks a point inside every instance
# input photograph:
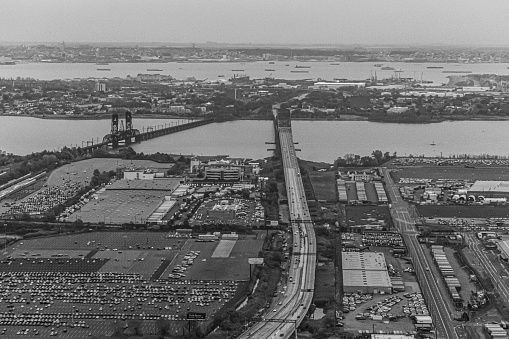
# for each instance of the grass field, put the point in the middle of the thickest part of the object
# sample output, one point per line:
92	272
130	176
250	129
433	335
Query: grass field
81	171
439	172
235	267
463	211
324	185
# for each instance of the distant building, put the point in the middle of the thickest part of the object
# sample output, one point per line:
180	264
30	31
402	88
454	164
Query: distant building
336	85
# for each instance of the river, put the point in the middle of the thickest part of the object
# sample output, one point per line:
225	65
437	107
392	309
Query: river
259	69
318	140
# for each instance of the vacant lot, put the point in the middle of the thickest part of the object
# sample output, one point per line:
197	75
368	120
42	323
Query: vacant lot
463	211
443	172
324	185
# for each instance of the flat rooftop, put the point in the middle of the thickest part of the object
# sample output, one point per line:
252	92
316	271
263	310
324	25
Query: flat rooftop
490	186
359	278
364	261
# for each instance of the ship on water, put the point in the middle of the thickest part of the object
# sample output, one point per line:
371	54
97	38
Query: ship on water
435	67
387	68
154	70
297	66
104	69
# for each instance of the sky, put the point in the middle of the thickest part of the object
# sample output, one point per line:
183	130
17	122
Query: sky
336	22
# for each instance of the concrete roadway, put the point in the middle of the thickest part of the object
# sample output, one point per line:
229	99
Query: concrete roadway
283	320
423	265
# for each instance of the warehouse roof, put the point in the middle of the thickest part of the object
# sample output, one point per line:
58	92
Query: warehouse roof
360	278
364	261
490	186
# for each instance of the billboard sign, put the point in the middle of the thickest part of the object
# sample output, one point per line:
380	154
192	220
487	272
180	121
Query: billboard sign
255	261
196	316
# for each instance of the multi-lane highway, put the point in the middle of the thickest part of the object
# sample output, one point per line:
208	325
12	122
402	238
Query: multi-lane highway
423	265
283	319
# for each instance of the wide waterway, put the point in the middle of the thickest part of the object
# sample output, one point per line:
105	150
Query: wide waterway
319	140
259	69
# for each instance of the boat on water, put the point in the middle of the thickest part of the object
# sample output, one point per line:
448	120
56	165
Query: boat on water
456	71
237	70
154	70
335	64
289	65
220	76
269	70
378	65
387	68
433	143
271	62
101	63
435	67
299	71
104	69
297	66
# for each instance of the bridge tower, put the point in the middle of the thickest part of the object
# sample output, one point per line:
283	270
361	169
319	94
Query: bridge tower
114	129
128	126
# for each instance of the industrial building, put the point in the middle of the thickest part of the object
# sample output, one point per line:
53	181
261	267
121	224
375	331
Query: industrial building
490	189
365	272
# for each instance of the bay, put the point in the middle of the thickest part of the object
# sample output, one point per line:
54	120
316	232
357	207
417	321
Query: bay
318	140
279	70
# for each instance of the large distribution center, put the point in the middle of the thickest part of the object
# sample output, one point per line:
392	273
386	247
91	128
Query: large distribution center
366	272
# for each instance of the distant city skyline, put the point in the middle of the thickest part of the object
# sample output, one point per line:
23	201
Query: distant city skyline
260	22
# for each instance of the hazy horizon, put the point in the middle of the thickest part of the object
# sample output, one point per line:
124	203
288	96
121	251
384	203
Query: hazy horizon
283	22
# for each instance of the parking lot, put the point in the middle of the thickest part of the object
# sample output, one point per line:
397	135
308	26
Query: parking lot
81	285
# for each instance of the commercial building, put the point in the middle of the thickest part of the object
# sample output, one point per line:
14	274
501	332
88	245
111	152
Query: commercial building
365	272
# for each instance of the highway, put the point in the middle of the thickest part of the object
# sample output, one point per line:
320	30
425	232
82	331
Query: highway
282	320
423	264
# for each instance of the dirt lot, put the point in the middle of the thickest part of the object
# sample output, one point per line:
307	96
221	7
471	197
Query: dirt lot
324	185
439	172
463	211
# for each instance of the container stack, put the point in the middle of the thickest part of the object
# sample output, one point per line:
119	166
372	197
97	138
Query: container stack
361	191
380	192
496	331
342	191
445	268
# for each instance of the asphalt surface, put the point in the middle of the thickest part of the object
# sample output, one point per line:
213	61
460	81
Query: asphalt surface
423	264
282	320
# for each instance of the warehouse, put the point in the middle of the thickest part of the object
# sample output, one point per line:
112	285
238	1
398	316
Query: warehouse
490	189
366	272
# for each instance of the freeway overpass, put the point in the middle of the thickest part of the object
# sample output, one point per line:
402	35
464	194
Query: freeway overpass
283	319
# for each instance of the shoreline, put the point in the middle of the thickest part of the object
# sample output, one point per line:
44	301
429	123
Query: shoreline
342	118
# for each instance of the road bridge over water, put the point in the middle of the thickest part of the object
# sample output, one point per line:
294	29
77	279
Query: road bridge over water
283	320
126	134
